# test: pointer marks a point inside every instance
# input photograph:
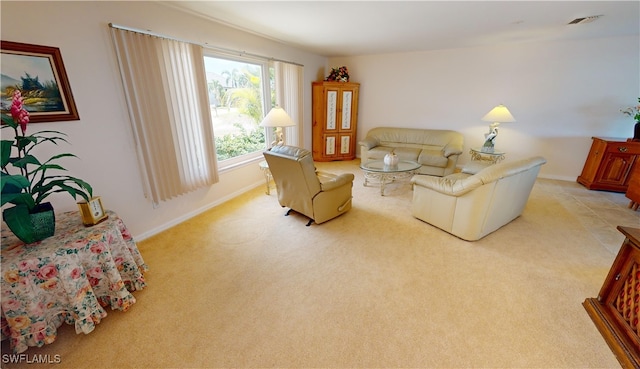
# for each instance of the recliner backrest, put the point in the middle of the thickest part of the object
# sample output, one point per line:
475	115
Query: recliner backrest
295	176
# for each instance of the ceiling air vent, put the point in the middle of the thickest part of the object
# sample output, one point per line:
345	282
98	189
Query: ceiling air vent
585	19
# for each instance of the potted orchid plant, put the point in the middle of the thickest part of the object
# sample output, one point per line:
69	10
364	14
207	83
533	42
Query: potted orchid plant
634	112
27	182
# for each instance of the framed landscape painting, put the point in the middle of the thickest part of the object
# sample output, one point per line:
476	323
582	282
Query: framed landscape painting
38	72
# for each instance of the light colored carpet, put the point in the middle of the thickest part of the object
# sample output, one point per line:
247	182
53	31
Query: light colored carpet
244	286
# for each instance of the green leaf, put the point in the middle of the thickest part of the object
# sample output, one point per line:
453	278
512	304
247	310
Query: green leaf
17	217
87	188
56	184
50	131
48	166
7	145
12	186
65	155
24	141
12	183
29	159
8	120
22	198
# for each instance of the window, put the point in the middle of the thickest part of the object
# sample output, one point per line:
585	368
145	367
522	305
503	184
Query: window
175	105
237	100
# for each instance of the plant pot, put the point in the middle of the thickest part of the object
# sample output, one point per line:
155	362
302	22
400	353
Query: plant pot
31	226
636	131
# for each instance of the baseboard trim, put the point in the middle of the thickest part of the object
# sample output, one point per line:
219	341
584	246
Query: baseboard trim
196	212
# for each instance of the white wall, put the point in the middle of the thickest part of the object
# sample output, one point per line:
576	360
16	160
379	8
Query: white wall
561	95
102	138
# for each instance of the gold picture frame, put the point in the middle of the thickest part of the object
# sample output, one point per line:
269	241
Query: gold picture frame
92	212
47	94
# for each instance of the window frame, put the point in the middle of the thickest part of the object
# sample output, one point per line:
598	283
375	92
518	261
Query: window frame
265	67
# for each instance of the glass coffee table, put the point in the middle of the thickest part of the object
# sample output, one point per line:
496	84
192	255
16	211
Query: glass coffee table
379	172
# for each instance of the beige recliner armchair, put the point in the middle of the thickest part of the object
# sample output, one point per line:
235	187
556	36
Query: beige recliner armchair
317	195
472	206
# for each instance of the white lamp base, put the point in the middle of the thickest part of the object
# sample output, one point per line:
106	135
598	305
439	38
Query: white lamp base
490	138
279	137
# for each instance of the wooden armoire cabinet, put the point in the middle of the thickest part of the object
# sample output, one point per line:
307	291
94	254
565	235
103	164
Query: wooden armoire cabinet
335	120
616	310
609	164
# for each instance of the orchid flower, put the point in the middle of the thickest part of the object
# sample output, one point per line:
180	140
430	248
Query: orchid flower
19	114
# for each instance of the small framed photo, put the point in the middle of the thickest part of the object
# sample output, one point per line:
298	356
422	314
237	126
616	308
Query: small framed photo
92	211
38	72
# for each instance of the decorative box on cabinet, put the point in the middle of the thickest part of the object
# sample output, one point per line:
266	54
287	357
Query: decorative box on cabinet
609	164
335	115
616	310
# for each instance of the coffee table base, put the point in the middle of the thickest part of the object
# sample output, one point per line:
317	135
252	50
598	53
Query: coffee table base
384	178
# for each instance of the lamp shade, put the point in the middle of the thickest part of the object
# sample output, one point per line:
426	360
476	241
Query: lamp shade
499	114
277	117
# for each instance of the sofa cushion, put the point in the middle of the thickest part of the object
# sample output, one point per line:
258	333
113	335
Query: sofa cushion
378	152
407	153
451	141
432	158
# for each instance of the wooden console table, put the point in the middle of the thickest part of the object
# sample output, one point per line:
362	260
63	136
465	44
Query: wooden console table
609	164
616	310
69	277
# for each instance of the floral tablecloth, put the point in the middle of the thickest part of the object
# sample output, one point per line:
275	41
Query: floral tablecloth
69	277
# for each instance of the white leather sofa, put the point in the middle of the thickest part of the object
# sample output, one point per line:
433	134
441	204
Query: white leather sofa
436	150
470	206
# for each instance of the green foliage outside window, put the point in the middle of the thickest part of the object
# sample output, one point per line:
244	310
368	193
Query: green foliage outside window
232	145
237	110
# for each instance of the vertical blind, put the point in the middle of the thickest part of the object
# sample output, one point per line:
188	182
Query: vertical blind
165	87
289	88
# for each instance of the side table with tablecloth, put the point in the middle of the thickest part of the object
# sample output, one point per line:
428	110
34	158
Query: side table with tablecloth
69	277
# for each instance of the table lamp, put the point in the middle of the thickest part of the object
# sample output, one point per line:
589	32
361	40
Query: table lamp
497	115
277	118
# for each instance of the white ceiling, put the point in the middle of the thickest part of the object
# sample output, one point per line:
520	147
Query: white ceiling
347	28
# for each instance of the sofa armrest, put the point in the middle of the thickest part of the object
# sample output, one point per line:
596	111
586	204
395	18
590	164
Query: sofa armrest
452	149
369	142
330	181
453	185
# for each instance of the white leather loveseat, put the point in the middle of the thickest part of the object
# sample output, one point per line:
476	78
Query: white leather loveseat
436	150
471	206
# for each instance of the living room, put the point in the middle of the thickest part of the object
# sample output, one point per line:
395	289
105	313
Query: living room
561	93
443	89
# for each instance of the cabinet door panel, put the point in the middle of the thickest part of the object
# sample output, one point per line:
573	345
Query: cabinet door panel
345	145
616	309
347	98
623	300
332	109
615	168
330	145
592	163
